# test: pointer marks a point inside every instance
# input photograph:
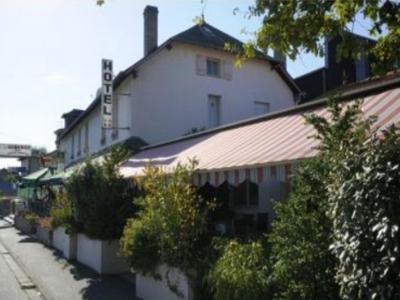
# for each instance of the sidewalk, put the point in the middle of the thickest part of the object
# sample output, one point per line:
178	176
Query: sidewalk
58	279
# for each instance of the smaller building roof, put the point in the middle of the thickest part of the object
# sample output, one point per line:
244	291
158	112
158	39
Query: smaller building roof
36	176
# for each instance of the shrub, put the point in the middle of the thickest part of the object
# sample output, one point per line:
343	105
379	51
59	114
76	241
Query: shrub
303	267
46	223
61	212
366	210
101	198
363	188
171	226
140	244
241	273
32	218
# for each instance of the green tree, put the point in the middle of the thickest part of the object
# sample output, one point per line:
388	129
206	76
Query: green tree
296	25
366	213
241	273
172	226
363	187
101	197
302	265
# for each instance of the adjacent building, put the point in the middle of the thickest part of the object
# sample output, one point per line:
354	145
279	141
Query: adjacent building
187	84
337	71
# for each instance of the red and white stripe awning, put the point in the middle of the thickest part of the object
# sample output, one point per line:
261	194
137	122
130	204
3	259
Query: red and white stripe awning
256	151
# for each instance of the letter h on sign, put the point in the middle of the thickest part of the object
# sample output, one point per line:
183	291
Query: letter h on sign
106	92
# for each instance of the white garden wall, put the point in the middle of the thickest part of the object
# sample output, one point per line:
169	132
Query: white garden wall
65	243
101	256
149	288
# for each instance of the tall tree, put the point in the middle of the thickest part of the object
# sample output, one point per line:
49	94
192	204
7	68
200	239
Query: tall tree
292	26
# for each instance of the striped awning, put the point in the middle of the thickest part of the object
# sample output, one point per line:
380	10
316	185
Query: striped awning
255	151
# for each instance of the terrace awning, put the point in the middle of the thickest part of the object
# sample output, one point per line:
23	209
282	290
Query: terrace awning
257	149
34	177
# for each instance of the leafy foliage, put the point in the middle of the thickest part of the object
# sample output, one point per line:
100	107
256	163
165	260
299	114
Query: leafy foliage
363	188
292	26
171	227
61	212
101	198
366	210
241	273
302	265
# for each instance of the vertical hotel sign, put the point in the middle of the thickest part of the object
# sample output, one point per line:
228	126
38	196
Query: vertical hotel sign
107	92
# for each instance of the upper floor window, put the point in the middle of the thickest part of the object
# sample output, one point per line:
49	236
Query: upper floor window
214	113
72	146
79	142
261	108
86	145
213	67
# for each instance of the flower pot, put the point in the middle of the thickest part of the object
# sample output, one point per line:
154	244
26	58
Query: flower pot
172	285
64	242
101	256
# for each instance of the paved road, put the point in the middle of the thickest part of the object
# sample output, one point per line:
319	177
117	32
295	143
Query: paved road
9	287
58	279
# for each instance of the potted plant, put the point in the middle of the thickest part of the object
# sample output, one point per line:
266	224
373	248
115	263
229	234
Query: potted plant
63	224
102	202
168	242
44	232
26	221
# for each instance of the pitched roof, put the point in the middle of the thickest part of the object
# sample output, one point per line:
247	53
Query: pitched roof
203	35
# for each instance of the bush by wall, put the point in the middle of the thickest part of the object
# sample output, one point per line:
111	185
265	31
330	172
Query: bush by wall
241	273
101	197
172	226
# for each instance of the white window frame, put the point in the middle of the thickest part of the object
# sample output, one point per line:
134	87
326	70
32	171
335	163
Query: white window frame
219	65
218	110
265	103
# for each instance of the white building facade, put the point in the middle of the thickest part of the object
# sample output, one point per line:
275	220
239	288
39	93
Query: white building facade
187	84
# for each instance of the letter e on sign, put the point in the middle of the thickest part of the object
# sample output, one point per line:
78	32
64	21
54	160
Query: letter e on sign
106	92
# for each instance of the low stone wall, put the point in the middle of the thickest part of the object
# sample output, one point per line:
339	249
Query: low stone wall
65	243
101	256
172	285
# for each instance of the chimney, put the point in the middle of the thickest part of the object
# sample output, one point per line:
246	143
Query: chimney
150	29
281	58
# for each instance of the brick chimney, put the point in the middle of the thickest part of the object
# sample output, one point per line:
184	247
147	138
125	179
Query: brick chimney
150	29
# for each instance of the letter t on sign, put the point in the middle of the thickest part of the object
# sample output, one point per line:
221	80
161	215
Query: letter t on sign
106	92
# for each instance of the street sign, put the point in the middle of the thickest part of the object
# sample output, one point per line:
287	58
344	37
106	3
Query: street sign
106	92
15	150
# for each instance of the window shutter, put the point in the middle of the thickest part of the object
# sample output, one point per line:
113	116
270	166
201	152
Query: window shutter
227	70
201	65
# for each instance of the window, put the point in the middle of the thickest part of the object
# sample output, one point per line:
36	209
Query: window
103	136
72	146
246	194
79	142
261	108
115	109
86	146
214	114
213	67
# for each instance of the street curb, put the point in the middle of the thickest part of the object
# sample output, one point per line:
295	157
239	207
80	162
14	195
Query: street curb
23	279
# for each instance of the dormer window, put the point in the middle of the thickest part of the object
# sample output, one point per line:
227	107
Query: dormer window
213	67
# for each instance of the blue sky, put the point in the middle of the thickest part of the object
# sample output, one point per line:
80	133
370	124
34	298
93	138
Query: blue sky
51	51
